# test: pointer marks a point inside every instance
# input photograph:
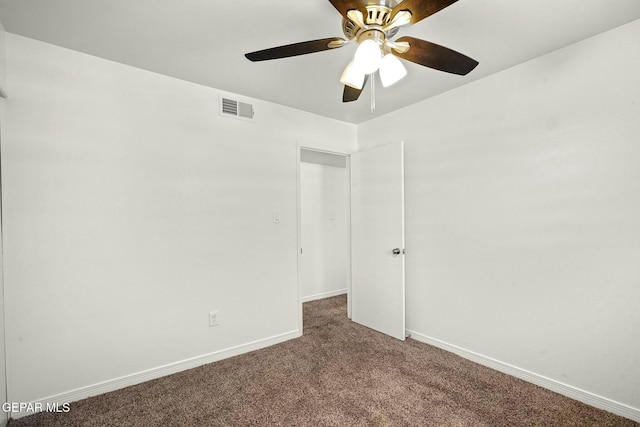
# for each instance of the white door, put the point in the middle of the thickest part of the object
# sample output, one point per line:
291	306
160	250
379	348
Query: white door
377	239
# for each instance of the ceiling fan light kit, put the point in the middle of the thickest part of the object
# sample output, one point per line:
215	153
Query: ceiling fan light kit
353	77
373	24
368	56
391	70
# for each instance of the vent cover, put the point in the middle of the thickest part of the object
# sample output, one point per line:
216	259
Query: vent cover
232	108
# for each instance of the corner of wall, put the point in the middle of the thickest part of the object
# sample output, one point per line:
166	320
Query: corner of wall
4	417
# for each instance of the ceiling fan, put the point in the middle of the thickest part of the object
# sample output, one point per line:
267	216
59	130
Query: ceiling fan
373	24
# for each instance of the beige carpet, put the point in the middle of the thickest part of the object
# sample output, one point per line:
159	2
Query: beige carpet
338	374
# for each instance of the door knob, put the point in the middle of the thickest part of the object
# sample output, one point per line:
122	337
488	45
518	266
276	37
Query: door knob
396	251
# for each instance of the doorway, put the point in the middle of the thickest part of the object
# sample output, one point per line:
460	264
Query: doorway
324	221
364	254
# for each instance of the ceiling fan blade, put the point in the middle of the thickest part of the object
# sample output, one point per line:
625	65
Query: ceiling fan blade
296	49
435	56
421	9
351	94
344	6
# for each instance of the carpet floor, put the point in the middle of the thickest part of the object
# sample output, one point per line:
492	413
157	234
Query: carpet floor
337	374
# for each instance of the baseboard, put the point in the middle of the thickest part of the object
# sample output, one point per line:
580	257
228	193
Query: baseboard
542	381
324	295
161	371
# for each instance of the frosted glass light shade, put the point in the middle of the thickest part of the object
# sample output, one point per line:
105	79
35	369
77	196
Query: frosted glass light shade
352	76
368	57
391	70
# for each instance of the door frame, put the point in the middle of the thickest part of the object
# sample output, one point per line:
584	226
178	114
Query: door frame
338	152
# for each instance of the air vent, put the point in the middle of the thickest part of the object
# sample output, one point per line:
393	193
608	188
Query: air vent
229	106
232	108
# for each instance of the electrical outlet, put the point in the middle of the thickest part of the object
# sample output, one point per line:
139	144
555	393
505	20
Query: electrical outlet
213	318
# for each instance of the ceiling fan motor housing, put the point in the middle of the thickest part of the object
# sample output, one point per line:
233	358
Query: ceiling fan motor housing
379	14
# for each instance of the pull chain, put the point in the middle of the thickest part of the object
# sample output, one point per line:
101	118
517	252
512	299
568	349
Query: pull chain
372	77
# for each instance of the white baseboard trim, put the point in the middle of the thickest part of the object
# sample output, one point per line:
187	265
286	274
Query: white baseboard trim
161	371
542	381
324	295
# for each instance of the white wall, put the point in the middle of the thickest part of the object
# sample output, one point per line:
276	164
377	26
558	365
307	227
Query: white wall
4	417
3	63
325	237
523	216
131	210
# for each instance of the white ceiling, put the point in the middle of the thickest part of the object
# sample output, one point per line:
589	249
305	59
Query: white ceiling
203	41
